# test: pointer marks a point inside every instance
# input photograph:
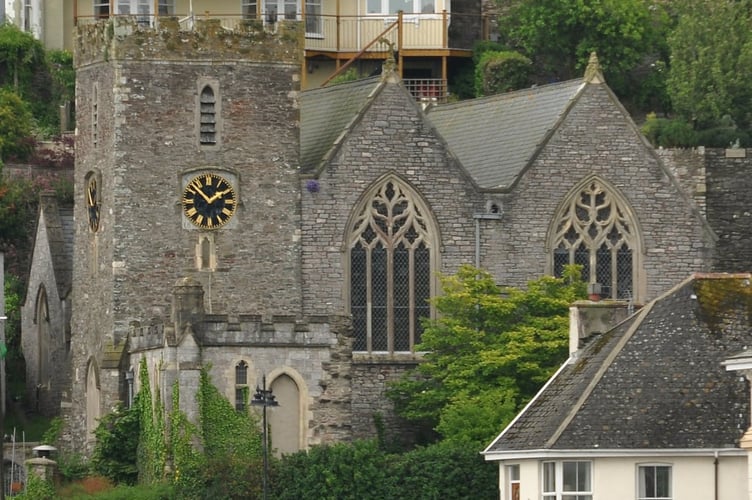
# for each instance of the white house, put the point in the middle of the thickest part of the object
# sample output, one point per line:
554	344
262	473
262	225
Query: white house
646	410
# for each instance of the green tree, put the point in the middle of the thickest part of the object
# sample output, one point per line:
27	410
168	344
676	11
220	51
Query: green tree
15	126
711	62
20	53
488	353
559	35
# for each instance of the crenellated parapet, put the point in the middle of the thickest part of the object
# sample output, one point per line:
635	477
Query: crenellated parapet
125	38
244	330
145	337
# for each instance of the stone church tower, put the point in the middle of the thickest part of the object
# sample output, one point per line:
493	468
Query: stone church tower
186	221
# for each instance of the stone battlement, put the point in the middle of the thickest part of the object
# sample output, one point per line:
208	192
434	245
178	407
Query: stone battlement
249	329
124	38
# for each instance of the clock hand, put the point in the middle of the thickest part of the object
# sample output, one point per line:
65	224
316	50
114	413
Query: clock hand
217	195
197	188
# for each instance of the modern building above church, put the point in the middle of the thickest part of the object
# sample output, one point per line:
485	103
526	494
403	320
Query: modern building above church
225	218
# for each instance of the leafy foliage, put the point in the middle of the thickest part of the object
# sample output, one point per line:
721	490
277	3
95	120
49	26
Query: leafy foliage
711	62
151	454
559	35
43	80
15	126
488	353
363	470
669	133
117	444
498	72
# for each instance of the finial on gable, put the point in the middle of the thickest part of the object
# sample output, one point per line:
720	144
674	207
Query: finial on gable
389	70
593	73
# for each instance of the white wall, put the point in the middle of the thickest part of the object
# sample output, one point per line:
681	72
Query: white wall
615	478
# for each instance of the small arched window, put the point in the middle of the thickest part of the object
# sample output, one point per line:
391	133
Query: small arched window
208	117
595	230
241	386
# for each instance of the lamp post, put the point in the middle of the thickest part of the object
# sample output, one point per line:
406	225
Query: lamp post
264	398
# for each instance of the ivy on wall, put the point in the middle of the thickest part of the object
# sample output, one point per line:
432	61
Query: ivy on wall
152	450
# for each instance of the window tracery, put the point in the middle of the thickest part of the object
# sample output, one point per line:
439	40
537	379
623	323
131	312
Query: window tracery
391	260
595	230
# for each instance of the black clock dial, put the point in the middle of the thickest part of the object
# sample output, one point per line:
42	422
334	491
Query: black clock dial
92	204
209	201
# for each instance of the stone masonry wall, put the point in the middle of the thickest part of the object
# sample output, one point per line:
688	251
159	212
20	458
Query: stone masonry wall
390	137
597	138
729	210
144	117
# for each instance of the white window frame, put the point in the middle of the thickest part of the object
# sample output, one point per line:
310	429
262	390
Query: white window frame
387	7
641	469
554	490
513	479
101	9
314	22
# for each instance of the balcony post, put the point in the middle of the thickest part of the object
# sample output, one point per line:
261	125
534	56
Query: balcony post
399	43
444	29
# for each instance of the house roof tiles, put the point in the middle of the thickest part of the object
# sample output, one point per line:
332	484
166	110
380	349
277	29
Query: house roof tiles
655	381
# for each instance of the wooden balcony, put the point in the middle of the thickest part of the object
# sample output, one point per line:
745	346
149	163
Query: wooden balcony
340	37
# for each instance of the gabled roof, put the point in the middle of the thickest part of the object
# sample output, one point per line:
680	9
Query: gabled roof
495	137
58	221
655	381
326	113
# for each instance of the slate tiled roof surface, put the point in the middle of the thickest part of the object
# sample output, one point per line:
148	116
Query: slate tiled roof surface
324	115
654	382
61	231
494	137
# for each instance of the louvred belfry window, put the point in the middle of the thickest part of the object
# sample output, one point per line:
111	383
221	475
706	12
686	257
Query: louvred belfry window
390	270
595	230
208	123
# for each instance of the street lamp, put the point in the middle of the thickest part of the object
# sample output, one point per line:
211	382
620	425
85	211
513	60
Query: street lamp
264	398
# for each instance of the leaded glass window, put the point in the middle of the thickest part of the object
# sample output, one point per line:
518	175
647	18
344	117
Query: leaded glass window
241	386
390	270
596	232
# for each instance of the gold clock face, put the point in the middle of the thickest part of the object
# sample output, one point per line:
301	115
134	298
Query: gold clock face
209	201
92	203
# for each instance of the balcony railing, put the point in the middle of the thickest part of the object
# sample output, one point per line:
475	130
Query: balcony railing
351	33
427	90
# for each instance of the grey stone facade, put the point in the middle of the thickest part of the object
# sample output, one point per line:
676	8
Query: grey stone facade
269	290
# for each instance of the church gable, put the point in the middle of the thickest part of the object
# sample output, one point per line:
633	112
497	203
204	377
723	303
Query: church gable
389	137
596	137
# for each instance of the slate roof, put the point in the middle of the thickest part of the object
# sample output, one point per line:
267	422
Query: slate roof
495	137
326	113
655	381
60	233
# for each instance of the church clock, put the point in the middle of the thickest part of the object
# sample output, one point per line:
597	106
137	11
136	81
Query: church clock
92	203
209	201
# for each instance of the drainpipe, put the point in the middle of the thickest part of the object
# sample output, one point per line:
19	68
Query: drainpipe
478	217
715	474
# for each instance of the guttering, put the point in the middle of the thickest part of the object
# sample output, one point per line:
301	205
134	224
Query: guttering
614	452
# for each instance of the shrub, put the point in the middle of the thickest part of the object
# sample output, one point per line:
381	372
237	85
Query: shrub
116	447
498	72
362	470
723	137
669	133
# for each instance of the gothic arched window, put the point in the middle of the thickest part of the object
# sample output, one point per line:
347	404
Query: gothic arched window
595	229
392	247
